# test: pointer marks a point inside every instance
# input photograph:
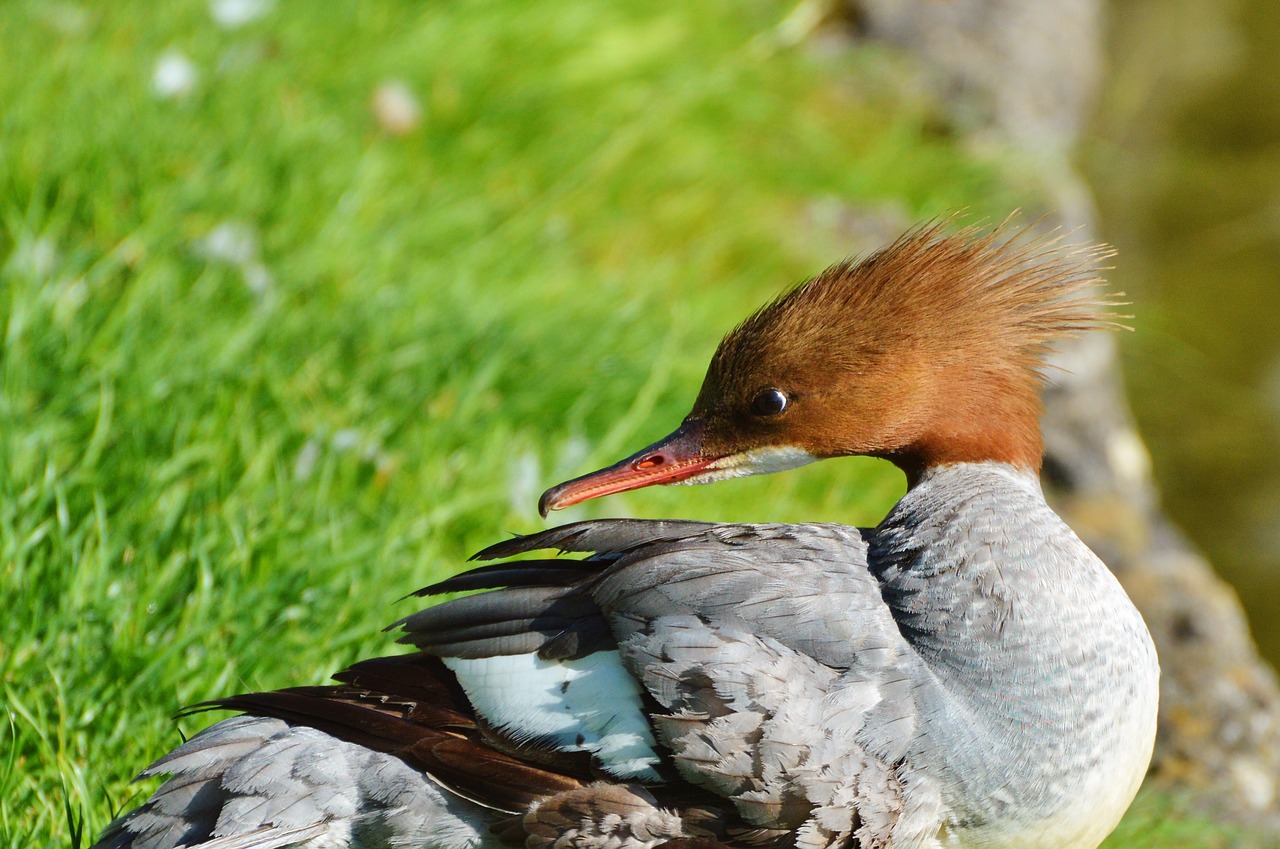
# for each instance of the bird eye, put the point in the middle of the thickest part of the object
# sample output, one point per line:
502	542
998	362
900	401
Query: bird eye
769	402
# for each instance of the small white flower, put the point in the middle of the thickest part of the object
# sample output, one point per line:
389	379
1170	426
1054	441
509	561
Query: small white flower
232	242
36	257
236	243
231	14
396	108
259	279
175	75
305	464
345	439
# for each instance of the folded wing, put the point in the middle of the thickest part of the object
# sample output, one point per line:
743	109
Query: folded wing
769	668
681	682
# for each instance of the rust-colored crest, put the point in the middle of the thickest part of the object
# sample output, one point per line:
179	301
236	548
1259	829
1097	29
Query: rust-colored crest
1002	294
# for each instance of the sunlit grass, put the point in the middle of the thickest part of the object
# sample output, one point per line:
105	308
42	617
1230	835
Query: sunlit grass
220	468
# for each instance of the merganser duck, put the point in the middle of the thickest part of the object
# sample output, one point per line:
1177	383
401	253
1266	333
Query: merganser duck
967	674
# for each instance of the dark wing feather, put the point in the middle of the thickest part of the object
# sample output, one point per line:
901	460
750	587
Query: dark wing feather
516	620
600	536
421	677
527	573
488	776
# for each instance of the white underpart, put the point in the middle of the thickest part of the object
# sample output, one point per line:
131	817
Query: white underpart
761	461
591	704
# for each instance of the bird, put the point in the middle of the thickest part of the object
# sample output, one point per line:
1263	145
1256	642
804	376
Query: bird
965	674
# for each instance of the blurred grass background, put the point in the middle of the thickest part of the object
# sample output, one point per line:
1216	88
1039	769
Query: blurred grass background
266	366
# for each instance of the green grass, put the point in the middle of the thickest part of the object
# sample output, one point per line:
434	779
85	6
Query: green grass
207	487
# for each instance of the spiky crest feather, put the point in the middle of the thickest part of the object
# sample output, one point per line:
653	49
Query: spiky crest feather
1002	294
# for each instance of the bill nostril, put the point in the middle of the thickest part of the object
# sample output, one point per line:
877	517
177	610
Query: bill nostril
653	461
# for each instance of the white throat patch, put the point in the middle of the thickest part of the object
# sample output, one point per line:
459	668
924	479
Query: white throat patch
761	461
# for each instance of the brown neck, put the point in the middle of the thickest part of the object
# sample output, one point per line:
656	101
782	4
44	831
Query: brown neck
997	421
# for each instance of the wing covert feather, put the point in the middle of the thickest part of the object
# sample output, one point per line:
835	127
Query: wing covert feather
775	665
